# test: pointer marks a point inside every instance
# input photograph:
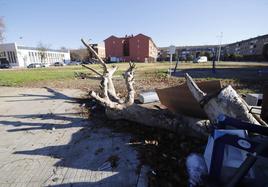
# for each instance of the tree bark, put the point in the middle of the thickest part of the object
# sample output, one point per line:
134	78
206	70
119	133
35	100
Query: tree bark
163	119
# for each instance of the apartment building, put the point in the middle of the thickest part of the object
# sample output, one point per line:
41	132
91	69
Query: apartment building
253	49
183	51
257	46
139	48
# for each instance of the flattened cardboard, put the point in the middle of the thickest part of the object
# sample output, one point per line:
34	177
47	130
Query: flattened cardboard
179	99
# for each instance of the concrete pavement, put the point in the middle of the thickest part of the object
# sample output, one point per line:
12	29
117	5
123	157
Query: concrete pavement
44	141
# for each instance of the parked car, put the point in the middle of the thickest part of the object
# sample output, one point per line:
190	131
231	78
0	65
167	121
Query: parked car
44	65
4	63
201	59
59	64
5	66
34	65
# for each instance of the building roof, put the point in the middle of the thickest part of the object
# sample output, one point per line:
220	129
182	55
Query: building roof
258	37
112	36
7	43
193	47
148	38
36	48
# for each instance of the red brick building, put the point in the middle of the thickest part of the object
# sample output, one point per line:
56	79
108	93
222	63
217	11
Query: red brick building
139	48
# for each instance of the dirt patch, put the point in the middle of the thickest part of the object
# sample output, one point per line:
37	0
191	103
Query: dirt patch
243	84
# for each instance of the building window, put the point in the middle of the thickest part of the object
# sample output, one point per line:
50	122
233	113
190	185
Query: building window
9	56
126	48
13	57
2	54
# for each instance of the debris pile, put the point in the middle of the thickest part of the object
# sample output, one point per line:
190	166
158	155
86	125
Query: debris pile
163	151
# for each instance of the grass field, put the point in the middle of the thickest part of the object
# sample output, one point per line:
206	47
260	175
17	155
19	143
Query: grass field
19	77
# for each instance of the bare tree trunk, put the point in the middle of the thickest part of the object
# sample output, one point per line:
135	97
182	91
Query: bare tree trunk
161	119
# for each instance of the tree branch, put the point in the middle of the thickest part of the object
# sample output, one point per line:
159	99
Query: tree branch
90	49
108	71
129	79
95	71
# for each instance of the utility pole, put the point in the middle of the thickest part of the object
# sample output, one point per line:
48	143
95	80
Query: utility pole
219	50
213	61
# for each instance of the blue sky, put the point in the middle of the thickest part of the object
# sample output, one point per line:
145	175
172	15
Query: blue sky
179	22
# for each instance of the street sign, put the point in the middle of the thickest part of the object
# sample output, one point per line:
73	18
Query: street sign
172	49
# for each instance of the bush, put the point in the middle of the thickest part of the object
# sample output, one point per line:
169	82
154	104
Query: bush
189	57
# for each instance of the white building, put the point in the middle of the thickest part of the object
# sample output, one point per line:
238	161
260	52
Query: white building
21	56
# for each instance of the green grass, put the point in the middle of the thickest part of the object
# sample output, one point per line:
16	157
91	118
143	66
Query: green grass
18	77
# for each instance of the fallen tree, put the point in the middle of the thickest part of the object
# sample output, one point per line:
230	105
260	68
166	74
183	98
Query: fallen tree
227	102
126	108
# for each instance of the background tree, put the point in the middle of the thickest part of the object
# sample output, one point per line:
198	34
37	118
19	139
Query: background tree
42	48
189	57
265	51
238	57
80	55
75	56
208	55
2	29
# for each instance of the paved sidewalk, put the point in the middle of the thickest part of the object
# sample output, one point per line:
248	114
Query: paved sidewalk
45	142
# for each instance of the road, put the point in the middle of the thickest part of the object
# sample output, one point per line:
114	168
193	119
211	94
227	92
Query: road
44	141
